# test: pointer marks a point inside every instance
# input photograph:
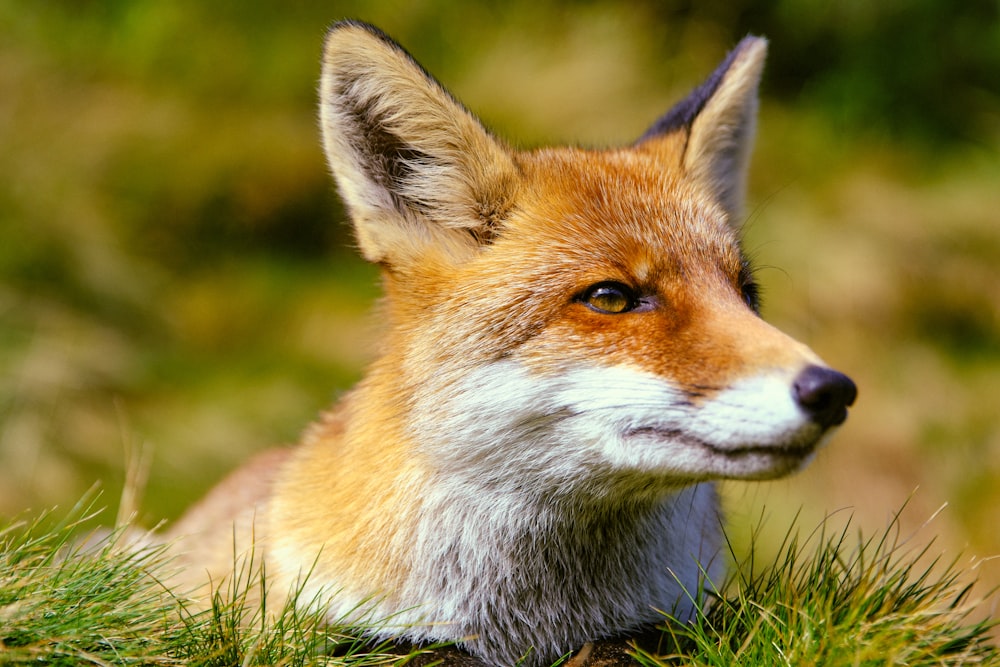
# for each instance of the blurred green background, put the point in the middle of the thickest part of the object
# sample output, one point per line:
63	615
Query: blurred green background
176	275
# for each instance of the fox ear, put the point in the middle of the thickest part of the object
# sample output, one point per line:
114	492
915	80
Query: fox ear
719	118
417	171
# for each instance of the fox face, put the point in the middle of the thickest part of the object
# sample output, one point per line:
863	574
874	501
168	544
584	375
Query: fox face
572	352
630	342
579	317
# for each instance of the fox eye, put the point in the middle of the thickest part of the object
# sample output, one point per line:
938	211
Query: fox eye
610	297
750	289
751	296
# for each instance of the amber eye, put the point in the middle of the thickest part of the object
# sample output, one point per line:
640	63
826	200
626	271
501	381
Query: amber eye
751	296
610	297
749	288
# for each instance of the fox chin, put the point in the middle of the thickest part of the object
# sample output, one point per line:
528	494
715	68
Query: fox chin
572	354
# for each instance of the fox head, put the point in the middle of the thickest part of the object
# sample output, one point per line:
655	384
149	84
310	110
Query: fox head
582	317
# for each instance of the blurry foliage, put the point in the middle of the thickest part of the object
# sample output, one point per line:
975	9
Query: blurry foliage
919	71
175	267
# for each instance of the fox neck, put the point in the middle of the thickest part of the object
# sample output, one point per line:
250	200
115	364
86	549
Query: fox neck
482	548
599	566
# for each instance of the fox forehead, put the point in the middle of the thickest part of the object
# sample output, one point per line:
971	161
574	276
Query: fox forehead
623	213
583	217
580	218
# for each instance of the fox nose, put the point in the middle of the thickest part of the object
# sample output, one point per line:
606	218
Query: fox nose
824	394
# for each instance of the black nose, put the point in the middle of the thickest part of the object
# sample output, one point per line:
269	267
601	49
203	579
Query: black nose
824	394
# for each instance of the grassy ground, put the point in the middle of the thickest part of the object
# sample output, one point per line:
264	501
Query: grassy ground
62	604
872	602
176	280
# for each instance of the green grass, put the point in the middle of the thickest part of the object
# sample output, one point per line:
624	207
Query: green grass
830	600
824	601
60	607
71	601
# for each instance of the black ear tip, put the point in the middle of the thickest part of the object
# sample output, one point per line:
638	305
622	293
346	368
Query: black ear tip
682	114
354	24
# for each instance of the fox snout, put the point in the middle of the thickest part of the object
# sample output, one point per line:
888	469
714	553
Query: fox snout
824	395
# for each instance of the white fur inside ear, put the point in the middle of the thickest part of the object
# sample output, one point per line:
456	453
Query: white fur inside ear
414	167
721	139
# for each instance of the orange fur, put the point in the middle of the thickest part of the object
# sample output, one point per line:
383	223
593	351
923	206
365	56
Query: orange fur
524	469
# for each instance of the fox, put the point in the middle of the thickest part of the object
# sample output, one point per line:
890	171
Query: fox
572	356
